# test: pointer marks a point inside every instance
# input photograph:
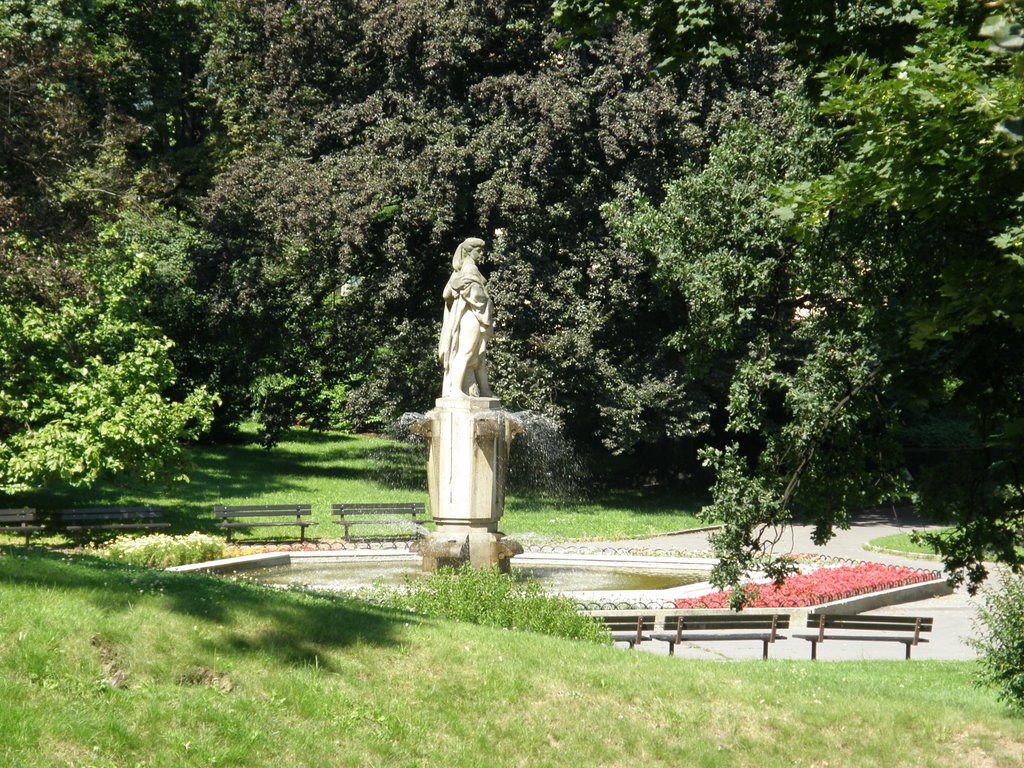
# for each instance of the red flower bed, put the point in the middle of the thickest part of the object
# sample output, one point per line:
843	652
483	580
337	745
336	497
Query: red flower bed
821	586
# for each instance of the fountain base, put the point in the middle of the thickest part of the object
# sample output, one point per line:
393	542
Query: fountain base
480	549
467	464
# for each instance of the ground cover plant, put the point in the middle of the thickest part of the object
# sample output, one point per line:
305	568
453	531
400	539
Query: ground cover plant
160	550
117	666
823	585
321	468
906	543
925	545
482	596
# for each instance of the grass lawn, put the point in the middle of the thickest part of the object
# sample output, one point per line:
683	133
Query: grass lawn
106	666
321	469
901	542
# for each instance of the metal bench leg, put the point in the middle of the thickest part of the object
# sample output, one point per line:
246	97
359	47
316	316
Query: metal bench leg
814	650
908	644
764	656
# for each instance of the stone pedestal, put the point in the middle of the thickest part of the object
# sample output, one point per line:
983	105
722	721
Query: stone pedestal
468	441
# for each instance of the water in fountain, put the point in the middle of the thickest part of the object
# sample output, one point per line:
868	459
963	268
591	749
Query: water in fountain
543	460
400	464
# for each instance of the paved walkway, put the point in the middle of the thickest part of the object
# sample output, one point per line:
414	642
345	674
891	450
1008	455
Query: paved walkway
954	614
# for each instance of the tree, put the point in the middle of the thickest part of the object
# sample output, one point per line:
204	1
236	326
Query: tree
367	144
869	344
83	376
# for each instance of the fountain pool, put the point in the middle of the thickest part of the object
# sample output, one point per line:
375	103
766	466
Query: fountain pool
592	577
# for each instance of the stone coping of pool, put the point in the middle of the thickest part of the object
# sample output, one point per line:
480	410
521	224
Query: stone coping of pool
650	599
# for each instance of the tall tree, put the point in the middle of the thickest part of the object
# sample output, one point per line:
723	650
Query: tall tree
97	131
869	350
369	142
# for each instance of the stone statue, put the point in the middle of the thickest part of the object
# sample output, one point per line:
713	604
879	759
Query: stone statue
468	324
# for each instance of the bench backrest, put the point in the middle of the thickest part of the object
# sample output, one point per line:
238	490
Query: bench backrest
412	510
634	624
905	625
106	514
728	621
262	510
23	515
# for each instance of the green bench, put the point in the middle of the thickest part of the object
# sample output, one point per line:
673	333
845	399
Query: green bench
85	522
248	516
626	627
732	627
382	521
862	628
19	521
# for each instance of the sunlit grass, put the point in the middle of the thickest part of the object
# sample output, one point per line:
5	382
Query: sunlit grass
113	666
325	468
902	542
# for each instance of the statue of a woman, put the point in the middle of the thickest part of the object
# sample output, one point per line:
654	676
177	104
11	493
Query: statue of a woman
468	324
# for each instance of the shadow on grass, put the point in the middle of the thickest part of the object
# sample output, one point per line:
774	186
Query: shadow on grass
399	466
652	502
239	473
293	627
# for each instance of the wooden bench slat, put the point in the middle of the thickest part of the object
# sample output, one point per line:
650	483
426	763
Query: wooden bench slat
403	516
14	515
119	526
263	516
858	627
352	507
300	508
260	515
20	522
108	510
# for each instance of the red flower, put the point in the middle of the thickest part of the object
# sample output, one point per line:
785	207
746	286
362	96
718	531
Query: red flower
821	586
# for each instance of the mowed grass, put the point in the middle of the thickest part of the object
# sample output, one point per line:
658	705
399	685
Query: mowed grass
106	666
902	542
325	468
905	543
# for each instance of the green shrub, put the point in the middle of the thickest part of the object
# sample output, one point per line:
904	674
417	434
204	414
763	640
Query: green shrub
162	551
1001	639
493	599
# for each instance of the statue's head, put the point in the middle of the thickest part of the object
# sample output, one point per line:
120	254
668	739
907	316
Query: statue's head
471	247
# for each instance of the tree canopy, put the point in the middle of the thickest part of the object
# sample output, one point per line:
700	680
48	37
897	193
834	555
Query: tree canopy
770	247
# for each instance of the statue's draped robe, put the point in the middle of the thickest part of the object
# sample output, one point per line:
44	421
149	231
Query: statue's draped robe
468	322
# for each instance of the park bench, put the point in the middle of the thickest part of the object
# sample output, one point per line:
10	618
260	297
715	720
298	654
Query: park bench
383	521
704	628
629	628
86	522
232	518
861	628
20	521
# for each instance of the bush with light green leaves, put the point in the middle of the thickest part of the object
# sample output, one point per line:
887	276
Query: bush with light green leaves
160	550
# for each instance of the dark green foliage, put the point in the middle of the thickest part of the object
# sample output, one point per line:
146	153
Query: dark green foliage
493	599
1001	643
353	179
